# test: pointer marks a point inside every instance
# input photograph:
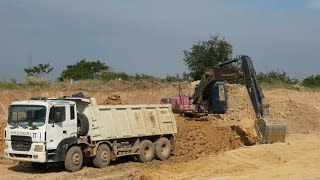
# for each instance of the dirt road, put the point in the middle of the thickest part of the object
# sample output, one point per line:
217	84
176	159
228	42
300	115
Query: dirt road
297	159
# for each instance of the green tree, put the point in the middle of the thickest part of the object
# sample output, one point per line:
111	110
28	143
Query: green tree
312	81
84	70
38	71
204	54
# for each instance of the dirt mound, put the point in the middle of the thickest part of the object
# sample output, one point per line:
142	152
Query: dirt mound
114	99
200	138
300	110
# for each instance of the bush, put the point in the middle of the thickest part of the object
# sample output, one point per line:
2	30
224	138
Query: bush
138	77
108	76
175	78
276	77
312	81
35	81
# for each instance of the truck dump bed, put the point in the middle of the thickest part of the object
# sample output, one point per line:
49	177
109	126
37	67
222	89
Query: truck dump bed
125	121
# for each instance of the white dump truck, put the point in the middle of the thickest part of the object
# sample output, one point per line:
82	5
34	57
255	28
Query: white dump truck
68	130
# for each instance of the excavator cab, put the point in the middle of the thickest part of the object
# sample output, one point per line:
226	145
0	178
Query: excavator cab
214	99
219	100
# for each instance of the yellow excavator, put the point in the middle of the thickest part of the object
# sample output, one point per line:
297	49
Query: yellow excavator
210	97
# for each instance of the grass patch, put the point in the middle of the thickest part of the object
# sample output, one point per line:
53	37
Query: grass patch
37	82
11	84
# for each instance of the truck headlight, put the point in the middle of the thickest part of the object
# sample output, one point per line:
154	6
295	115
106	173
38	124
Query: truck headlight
6	146
38	148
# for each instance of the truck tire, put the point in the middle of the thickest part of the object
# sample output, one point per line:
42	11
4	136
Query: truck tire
74	159
103	156
162	148
146	151
38	166
83	124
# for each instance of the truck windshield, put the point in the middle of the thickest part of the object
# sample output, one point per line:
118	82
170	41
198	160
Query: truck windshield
27	116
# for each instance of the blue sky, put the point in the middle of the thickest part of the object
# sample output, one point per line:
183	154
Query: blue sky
147	36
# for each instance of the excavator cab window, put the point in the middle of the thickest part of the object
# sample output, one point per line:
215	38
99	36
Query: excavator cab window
219	100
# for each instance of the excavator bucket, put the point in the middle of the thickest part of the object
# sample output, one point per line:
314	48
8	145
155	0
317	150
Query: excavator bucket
271	130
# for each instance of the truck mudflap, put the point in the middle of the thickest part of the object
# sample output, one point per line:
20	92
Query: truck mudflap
271	130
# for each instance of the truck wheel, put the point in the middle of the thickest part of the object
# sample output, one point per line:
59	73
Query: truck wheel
103	156
74	159
146	151
38	166
162	148
83	124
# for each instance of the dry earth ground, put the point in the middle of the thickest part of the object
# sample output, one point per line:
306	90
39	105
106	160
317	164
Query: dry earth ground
209	149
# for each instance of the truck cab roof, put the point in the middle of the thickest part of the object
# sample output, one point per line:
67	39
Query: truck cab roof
43	102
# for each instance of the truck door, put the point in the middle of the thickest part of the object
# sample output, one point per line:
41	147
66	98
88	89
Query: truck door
71	121
57	131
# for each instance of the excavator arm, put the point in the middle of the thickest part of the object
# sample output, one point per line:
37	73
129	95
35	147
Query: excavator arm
253	86
269	130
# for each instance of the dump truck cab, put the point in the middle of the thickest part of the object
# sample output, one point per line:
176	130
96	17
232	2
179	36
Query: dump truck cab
36	128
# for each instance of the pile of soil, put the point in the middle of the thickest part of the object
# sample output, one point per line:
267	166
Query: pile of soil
201	138
198	139
114	99
299	110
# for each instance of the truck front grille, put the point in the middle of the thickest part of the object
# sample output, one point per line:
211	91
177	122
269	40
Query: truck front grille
21	143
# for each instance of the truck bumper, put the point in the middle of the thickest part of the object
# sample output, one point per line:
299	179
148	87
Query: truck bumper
30	155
